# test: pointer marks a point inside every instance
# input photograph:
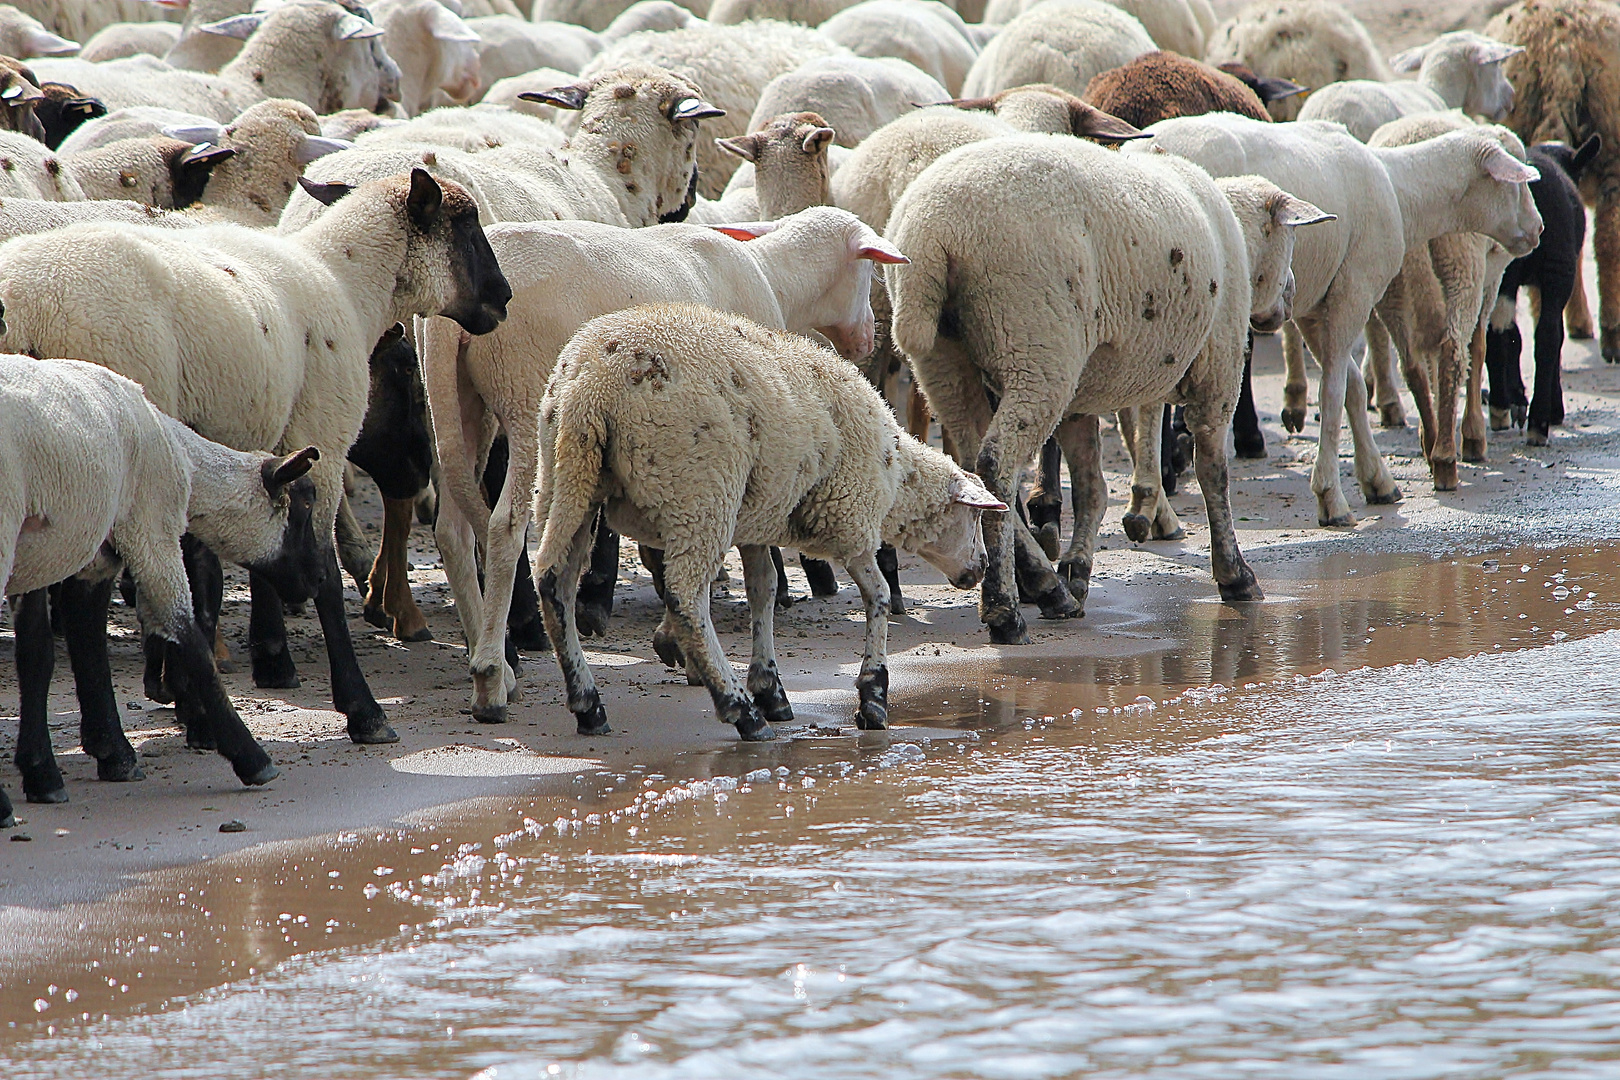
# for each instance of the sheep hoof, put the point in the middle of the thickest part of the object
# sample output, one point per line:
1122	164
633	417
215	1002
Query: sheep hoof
752	727
1010	632
373	729
668	649
54	795
1521	412
8	822
1536	435
1473	449
897	605
421	633
119	769
1392	415
1293	420
275	672
594	722
1245	444
157	690
1242	591
872	717
592	618
1445	475
1501	419
773	704
1345	520
376	616
198	738
490	714
1178	533
1047	537
1137	527
1611	344
1059	603
261	777
1393	495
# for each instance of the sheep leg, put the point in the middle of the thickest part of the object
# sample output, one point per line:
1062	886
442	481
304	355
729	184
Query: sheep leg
1443	451
36	658
1294	386
1207	420
350	694
493	677
917	414
819	573
1046	499
1247	439
596	588
1080	436
1606	248
399	606
207	581
273	667
1578	311
1473	422
192	675
353	551
1150	515
688	571
84	610
457	545
1380	373
664	640
8	820
888	560
1331	507
524	628
1392	316
784	598
764	681
558	588
1547	407
872	684
1372	473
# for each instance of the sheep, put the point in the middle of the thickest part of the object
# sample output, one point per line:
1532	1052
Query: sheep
855	95
1144	265
807	272
788	169
648	15
20	97
79	20
1311	42
159	171
436	51
1172	24
473	130
1158	85
118	40
308	50
597	15
803	12
632	162
91	476
1551	271
30	170
731	63
1388	200
63	110
924	33
830	472
511	92
1567	89
23	37
1459	70
1063	43
19	217
510	46
260	341
201	45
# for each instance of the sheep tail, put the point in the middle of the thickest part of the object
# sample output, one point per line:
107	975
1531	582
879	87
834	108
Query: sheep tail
441	343
572	452
918	293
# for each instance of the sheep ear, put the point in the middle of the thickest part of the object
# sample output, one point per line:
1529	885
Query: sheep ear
21	93
240	27
1583	157
315	147
45	43
744	146
1091	122
1269	89
1410	60
968	490
817	139
446	25
425	199
971	104
325	194
195	133
563	97
392	334
748	230
694	109
1495	52
204	155
351	27
278	472
1287	210
1503	166
88	107
874	247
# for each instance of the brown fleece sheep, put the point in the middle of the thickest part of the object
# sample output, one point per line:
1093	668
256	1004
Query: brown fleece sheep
1159	85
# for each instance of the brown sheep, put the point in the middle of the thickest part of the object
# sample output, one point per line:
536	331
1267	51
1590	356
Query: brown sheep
1159	85
1567	88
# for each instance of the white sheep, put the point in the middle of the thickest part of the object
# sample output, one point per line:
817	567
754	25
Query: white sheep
731	63
793	447
131	39
1172	24
803	12
1312	42
510	46
437	53
31	170
135	122
477	129
786	169
597	15
1459	70
510	92
1388	200
22	36
648	15
200	49
262	341
79	20
855	95
1090	282
92	477
924	33
19	217
1061	42
810	271
308	50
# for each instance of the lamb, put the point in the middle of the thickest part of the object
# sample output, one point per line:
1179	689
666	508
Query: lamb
1160	271
1551	271
436	51
855	95
831	472
1063	42
807	272
118	40
308	50
1312	42
1567	89
261	341
1172	24
1459	70
731	63
23	36
91	476
925	33
1387	200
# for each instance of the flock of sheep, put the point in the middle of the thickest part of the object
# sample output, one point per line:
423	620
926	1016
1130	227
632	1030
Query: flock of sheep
577	269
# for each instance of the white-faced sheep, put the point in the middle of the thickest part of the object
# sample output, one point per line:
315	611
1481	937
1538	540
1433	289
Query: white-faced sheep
924	33
261	341
1063	42
1459	70
1387	201
808	272
1567	86
853	94
1312	42
791	447
1172	24
731	63
1089	283
91	476
788	171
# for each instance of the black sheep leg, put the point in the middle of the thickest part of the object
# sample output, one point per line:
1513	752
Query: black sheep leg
84	617
36	659
1247	439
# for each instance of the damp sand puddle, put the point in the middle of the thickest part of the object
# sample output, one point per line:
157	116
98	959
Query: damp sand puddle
1106	865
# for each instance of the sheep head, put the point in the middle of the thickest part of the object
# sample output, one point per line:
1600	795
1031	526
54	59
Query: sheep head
1267	216
789	155
936	512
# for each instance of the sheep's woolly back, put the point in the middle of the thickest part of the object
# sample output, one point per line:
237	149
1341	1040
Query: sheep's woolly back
1363	105
80	20
1160	85
1312	42
1172	24
856	95
1062	42
18	217
131	39
924	33
31	170
1567	81
804	12
594	14
730	65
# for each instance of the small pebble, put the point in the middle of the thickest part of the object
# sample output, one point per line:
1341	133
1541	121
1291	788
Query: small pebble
20	837
233	825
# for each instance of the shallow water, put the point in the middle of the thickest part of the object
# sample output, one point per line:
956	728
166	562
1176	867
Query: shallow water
1399	870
